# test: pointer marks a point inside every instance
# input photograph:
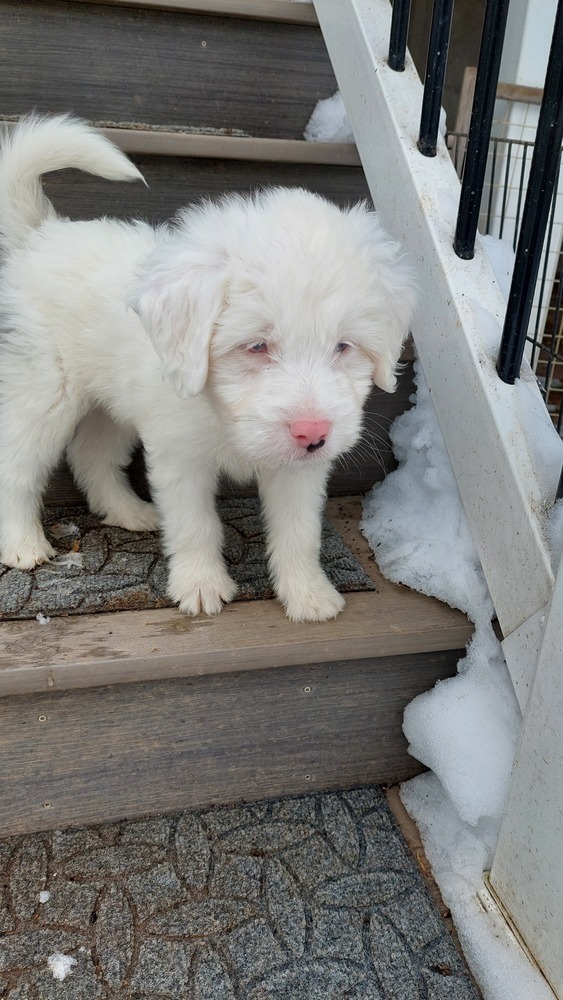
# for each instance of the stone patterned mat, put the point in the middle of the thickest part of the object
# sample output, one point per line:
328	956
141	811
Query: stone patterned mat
102	568
311	898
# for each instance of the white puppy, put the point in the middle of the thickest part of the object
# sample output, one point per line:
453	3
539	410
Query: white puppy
243	338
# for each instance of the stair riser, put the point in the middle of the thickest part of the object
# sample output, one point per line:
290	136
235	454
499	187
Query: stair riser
77	757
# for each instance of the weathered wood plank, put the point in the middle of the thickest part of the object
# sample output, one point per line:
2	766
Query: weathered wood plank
76	757
83	651
263	10
175	182
126	647
149	140
163	143
231	147
161	67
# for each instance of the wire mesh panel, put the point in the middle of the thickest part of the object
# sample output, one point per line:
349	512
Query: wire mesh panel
506	179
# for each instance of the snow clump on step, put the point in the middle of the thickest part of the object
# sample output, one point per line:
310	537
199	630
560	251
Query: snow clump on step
329	122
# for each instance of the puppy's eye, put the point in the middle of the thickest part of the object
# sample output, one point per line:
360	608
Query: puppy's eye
342	347
261	348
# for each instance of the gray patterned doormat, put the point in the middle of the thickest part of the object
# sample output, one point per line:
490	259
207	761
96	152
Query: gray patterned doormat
311	898
101	568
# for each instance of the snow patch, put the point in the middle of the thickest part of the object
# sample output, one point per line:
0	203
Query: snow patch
466	728
61	965
458	855
501	256
329	122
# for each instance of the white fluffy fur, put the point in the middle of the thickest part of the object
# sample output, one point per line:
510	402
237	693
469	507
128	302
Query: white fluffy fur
282	268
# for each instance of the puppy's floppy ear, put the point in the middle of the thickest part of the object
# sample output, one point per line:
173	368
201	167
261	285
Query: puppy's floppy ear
178	299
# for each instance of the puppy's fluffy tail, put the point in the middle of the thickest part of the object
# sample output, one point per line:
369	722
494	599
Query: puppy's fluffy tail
37	145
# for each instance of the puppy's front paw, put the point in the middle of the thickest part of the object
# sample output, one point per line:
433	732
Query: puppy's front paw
315	600
204	594
28	554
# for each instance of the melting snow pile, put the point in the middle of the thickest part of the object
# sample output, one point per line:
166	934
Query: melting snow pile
466	729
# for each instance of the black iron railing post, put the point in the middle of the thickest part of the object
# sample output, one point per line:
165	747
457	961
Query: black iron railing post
399	34
435	74
486	80
541	183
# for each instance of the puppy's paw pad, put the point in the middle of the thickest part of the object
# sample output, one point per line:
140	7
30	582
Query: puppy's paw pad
204	596
28	555
318	603
139	516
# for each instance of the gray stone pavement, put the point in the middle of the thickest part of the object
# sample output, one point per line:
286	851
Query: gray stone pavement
313	897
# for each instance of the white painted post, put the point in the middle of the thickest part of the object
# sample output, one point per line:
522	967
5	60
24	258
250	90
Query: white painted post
527	871
526	46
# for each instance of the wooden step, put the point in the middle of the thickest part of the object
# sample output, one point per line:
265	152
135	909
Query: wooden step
165	67
124	714
282	11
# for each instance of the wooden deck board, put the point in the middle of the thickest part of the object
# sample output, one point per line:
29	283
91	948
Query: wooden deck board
162	67
135	713
135	646
262	10
101	754
139	139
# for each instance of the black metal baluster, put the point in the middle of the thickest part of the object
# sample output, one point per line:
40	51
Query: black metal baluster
399	34
541	183
486	80
435	73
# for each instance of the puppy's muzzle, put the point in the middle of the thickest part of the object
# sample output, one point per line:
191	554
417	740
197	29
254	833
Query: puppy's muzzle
310	434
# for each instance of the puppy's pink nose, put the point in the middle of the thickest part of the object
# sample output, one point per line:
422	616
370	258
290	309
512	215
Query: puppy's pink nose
310	434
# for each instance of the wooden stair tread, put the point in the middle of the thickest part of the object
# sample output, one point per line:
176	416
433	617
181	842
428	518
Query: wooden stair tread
166	64
136	138
136	646
162	142
140	713
288	11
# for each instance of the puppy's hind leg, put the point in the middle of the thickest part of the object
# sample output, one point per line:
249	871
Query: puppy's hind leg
34	430
98	455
